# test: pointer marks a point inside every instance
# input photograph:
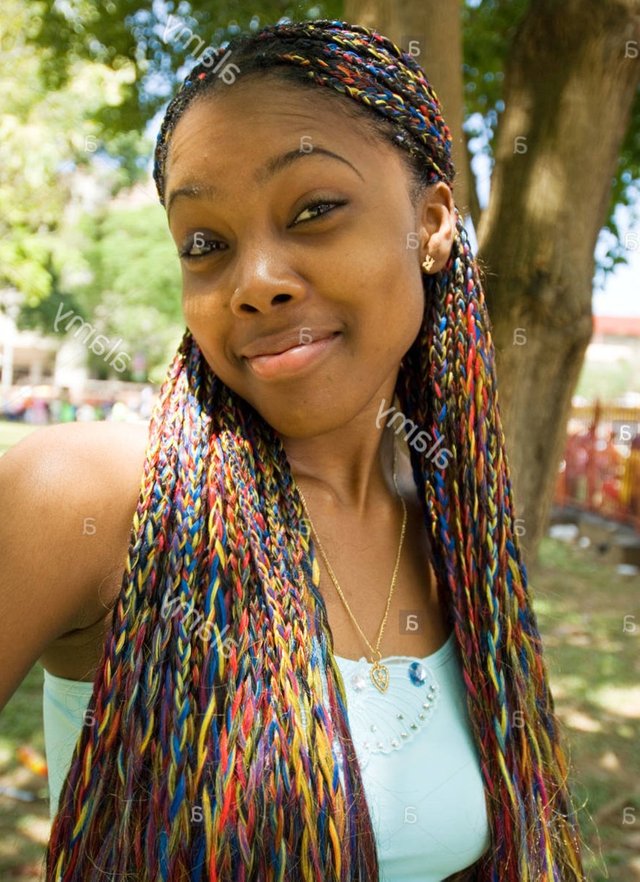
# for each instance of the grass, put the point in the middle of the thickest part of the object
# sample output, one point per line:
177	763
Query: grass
589	621
24	826
11	433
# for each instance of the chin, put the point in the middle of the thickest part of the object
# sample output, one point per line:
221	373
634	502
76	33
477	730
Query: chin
299	423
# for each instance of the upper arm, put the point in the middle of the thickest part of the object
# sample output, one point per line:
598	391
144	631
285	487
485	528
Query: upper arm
66	504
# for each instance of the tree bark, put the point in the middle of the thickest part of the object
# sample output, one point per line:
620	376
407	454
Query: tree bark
431	31
570	83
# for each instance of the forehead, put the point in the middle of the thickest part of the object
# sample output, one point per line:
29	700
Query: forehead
242	124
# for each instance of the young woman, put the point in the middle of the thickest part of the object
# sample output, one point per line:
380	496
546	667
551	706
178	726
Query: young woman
321	661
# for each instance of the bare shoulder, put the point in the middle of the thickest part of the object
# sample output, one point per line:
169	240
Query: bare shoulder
96	469
84	439
68	494
102	445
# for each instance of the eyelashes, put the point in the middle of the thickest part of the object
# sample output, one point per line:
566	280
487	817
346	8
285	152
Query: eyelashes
199	242
198	245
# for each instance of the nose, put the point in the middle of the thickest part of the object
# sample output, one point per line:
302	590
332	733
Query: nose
265	279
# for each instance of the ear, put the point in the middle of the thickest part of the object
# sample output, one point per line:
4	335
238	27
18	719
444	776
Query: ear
437	220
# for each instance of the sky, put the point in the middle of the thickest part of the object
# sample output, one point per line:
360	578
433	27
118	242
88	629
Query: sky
621	294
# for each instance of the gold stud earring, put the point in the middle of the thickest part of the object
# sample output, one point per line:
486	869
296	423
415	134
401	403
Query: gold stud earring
427	263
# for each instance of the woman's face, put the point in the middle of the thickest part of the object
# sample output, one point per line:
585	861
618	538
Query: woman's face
244	170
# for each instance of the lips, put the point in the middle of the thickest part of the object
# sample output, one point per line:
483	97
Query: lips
273	344
295	362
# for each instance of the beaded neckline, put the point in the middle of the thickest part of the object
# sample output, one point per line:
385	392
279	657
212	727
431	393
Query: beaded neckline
383	724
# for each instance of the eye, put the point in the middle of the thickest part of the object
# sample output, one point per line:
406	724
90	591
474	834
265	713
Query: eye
198	245
321	203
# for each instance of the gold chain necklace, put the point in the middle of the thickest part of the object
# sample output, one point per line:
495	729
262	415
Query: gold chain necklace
379	673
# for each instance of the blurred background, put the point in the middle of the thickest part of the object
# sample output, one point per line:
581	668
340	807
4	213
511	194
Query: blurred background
543	103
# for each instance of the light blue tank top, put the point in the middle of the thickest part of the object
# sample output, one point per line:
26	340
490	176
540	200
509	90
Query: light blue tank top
420	766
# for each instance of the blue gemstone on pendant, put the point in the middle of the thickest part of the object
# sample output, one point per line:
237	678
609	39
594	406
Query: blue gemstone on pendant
417	673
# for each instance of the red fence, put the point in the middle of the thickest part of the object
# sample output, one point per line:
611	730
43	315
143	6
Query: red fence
600	471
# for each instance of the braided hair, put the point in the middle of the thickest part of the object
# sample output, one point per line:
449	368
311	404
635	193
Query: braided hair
230	757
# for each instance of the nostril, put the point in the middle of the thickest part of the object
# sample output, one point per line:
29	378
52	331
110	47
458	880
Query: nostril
246	305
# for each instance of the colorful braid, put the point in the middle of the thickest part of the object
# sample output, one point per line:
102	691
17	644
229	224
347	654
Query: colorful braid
194	765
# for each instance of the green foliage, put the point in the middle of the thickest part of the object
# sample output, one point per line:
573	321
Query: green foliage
134	286
130	253
127	288
46	137
41	315
488	30
625	192
118	33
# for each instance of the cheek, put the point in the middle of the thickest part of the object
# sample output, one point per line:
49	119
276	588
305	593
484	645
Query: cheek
200	321
201	307
396	296
208	327
212	348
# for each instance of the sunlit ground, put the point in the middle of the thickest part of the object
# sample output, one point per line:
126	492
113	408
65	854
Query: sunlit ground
590	622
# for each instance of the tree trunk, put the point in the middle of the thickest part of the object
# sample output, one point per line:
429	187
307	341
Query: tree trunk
431	31
569	87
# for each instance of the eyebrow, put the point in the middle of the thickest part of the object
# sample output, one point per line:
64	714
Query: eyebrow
198	189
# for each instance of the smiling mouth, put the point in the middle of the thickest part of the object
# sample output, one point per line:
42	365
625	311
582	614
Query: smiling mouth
294	360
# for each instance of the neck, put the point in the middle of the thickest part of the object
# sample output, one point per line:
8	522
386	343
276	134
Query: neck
347	468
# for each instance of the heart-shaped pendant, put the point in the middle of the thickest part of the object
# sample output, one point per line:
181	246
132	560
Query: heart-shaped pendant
380	676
